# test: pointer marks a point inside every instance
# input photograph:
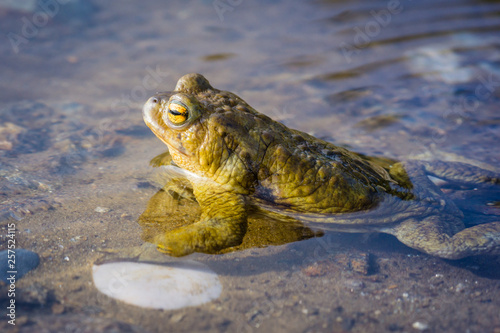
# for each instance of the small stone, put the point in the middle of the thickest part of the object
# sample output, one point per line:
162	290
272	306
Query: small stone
57	308
354	284
23	262
418	325
77	240
426	303
358	262
66	258
460	287
176	318
320	268
102	209
313	270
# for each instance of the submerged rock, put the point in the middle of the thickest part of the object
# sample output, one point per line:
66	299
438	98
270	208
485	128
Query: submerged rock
22	262
170	286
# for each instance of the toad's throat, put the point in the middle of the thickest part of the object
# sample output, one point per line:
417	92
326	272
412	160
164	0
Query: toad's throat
177	150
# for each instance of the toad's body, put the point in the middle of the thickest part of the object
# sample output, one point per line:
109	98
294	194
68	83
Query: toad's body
238	158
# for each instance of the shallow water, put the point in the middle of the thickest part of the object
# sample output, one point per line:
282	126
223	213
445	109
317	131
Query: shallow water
399	79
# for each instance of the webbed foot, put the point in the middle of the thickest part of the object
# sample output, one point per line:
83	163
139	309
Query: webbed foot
460	172
445	237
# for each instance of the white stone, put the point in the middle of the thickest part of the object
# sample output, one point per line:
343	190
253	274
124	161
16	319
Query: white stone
421	326
102	209
164	286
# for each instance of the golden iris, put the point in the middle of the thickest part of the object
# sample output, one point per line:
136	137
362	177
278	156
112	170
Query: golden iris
177	114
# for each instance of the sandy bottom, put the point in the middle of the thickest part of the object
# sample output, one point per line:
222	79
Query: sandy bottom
301	287
75	174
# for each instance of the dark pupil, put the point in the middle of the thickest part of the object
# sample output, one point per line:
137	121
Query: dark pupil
175	112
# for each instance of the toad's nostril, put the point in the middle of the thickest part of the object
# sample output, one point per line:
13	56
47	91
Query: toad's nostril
155	100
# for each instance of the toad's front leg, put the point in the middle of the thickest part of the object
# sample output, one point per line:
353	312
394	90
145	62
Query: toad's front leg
223	224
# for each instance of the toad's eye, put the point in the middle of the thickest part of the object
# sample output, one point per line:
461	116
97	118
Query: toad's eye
177	114
180	112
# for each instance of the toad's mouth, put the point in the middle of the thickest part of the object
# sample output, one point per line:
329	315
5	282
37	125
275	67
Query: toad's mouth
178	149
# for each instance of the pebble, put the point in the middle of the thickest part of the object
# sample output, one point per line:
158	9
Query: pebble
418	325
460	287
57	308
102	209
25	261
177	318
170	286
358	262
354	284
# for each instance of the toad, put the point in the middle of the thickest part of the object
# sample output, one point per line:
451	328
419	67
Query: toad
239	161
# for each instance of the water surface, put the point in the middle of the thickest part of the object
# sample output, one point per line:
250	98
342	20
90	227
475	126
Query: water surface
399	79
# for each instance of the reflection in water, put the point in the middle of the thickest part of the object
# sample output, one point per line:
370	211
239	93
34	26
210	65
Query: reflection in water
175	206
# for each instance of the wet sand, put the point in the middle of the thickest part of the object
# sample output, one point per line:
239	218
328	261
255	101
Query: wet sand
74	92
